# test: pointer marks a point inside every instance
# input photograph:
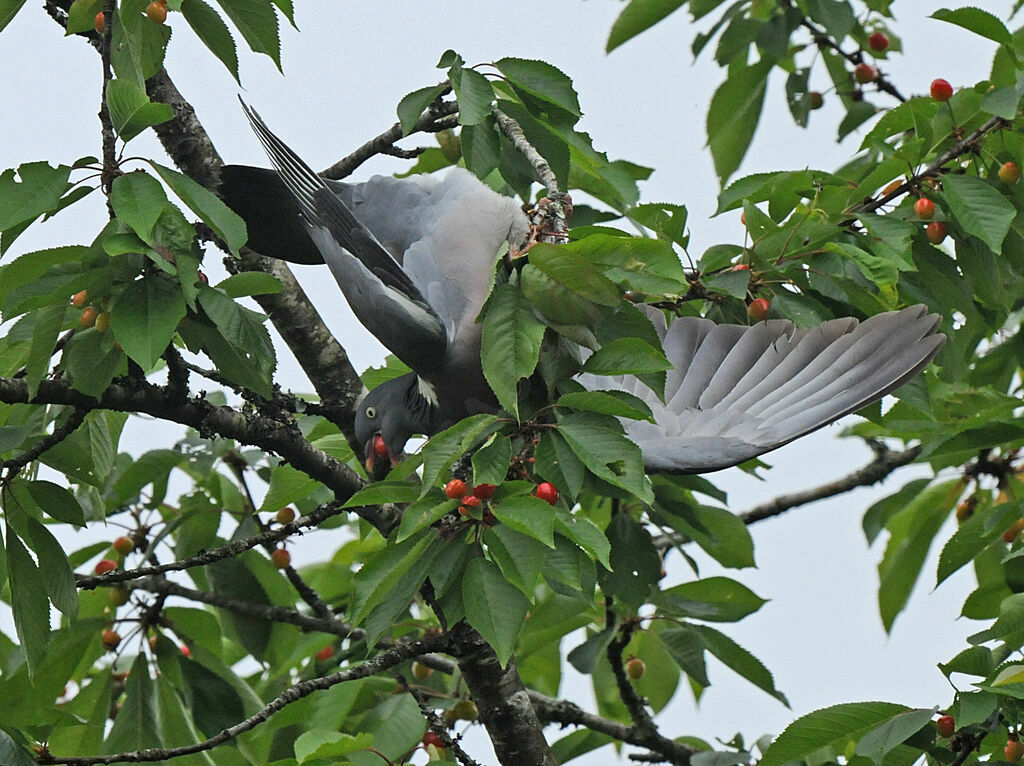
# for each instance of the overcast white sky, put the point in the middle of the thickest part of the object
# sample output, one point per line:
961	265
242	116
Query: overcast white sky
646	102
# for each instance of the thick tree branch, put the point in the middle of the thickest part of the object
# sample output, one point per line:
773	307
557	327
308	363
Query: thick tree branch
281	438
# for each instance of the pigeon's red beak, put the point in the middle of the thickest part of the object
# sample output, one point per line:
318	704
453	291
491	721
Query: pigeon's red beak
379	459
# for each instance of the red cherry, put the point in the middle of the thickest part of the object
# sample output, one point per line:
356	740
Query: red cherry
1015	529
945	726
124	545
380	449
758	309
105	565
878	41
740	267
924	208
110	639
455	489
79	299
936	232
157	11
484	491
202	277
941	90
546	491
1014	750
281	558
98	23
469	502
325	653
817	100
285	516
88	318
1009	173
865	73
185	651
431	738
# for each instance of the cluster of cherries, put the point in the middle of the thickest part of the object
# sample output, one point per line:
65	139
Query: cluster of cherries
473	499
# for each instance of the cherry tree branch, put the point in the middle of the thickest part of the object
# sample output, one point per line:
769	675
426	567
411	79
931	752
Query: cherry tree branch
381	662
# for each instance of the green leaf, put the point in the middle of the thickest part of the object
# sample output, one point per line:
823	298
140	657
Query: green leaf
383	492
831	728
686	648
208	206
233	579
57	502
243	350
626	356
511	344
443	449
529	515
383	570
638	16
92	360
131	111
11	753
54	569
474	94
520	557
250	283
974	535
978	21
491	461
320	744
29	602
138	200
607	453
542	81
494	607
635	564
211	29
257	22
720	533
48	321
733	116
414	104
979	209
586	534
287	485
912	530
8	9
586	656
717	599
38	191
145	317
876	744
137	725
149	468
618	403
214	703
575	272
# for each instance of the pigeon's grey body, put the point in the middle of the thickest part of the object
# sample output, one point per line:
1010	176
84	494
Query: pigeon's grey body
415	259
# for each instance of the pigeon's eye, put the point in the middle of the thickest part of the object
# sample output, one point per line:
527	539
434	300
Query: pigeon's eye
371	412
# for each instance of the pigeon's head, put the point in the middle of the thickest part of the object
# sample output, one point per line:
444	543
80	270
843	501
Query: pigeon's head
388	416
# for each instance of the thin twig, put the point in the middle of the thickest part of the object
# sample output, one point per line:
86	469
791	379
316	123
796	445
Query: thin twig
302	689
60	433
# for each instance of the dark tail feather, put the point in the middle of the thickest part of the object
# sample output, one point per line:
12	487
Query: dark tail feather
269	210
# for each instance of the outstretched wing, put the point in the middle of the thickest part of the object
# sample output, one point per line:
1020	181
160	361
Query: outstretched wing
737	392
382	295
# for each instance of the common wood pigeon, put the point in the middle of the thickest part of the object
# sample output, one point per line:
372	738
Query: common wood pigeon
415	260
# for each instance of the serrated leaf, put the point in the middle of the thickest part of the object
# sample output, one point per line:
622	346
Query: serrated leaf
876	744
38	189
46	327
208	206
975	534
138	200
214	33
586	534
540	80
512	335
626	356
733	116
414	104
491	461
145	317
383	570
250	283
474	94
11	753
131	111
979	209
496	609
443	449
978	21
149	468
241	345
587	655
607	453
29	603
54	569
233	579
8	9
384	492
576	273
92	360
830	728
638	16
287	485
317	744
137	725
57	502
529	515
717	599
619	403
257	22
